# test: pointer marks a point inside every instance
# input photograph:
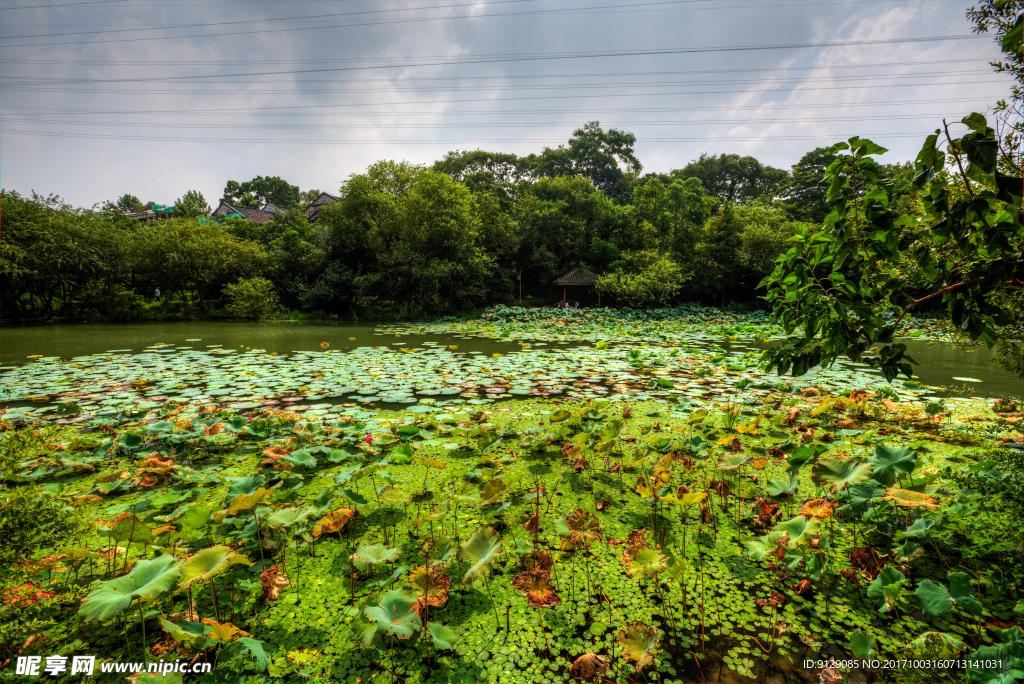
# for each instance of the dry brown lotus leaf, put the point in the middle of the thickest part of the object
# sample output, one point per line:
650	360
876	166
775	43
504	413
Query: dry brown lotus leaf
705	515
535	585
793	414
286	415
830	674
26	594
432	585
604	505
682	491
807	436
183	423
851	575
37	639
804	588
909	499
224	631
214	429
542	561
569	449
146	481
580	463
333	521
168	645
154	461
847	424
273	580
588	667
819	509
275	452
533	524
85	499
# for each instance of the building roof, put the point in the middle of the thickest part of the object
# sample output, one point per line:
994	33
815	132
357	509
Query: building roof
272	208
313	210
257	216
577	277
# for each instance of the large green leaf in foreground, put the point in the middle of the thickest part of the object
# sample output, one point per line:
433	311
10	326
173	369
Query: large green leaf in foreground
147	580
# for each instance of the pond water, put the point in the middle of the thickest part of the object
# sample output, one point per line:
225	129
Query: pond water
938	362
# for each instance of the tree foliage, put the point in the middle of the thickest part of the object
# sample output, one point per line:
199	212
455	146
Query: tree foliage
259	191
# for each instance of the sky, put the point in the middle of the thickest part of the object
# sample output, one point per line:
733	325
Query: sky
157	97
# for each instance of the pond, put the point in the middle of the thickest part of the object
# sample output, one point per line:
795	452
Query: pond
940	363
563	491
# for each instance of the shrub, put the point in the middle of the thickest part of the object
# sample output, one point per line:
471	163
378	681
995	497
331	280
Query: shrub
252	298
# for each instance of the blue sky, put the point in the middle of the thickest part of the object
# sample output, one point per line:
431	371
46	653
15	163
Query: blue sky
156	97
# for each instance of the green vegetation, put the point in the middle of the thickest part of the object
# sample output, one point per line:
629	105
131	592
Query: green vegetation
645	505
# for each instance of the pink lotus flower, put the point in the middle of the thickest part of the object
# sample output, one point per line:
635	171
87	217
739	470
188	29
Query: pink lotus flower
368	438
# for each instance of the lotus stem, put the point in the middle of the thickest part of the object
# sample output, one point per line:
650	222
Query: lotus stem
213	593
142	619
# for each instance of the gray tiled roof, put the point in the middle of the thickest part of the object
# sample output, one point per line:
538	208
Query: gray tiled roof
577	276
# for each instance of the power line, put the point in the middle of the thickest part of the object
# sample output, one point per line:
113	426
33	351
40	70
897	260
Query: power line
257	111
600	9
535	58
321	141
307	17
604	84
378	126
451	101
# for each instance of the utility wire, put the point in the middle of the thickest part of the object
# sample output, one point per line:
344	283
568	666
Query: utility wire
259	111
322	141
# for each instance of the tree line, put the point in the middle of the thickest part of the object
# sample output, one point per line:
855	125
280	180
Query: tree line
411	240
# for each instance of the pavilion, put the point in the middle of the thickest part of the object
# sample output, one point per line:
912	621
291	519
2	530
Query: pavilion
577	279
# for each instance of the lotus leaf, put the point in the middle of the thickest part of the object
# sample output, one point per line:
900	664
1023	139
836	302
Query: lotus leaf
937	600
885	588
638	642
909	499
376	554
937	645
481	550
395	614
209	563
799	530
891	462
441	636
147	580
840	472
333	521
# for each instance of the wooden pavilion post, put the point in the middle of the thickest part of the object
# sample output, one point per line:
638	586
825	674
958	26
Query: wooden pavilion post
563	297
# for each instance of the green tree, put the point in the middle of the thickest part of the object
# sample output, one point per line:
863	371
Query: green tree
1003	18
260	190
643	279
191	205
251	298
844	287
717	262
297	253
595	154
193	260
53	254
129	204
731	178
807	186
765	236
849	287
